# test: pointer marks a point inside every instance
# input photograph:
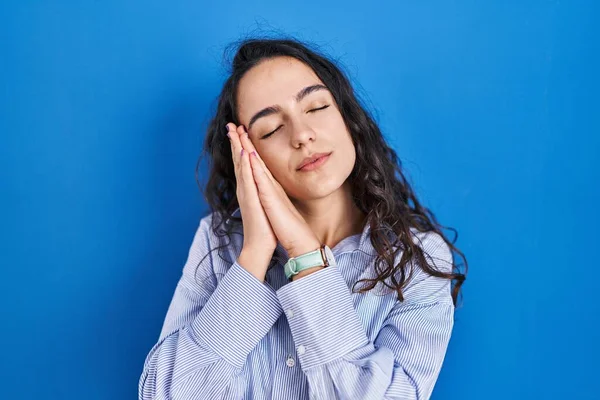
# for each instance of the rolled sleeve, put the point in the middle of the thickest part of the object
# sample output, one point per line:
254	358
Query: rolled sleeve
239	313
322	318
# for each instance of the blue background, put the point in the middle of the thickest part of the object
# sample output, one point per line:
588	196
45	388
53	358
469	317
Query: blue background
493	107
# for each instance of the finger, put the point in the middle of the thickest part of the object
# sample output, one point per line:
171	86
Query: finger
248	145
249	185
263	182
258	163
276	185
245	139
234	157
235	144
273	205
264	167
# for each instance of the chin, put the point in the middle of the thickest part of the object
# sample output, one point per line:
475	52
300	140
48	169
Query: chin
318	188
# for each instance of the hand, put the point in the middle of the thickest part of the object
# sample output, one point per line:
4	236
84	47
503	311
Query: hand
290	228
259	239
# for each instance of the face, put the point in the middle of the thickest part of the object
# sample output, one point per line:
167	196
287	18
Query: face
287	122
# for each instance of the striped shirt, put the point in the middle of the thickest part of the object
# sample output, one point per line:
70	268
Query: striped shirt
227	335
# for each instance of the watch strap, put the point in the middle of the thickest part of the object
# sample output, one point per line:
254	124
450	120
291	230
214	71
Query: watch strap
315	258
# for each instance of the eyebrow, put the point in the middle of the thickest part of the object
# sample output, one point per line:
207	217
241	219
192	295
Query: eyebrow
275	109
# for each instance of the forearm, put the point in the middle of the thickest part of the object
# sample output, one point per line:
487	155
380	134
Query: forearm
239	301
202	355
180	366
402	362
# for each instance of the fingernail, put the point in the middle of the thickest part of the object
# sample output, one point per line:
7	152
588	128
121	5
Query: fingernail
253	153
227	129
242	152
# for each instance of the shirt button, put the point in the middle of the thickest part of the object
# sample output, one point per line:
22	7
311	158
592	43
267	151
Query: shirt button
301	350
290	313
290	361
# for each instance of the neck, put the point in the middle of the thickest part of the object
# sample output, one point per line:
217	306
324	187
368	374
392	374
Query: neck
334	217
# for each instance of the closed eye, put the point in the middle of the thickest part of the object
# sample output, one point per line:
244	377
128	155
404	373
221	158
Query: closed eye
270	133
320	108
310	111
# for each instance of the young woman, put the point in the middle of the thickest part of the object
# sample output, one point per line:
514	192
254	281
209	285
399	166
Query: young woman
318	274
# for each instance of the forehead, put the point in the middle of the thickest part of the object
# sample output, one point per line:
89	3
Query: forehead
273	81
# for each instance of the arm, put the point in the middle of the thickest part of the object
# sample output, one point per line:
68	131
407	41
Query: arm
339	360
209	330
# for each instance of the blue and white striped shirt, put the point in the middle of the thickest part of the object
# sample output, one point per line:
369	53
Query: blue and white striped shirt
228	335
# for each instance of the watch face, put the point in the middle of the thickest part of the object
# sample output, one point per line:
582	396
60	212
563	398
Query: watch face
329	255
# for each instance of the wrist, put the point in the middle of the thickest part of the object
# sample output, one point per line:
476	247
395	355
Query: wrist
255	261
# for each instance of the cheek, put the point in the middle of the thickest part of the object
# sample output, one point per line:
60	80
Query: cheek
348	159
276	166
344	142
347	151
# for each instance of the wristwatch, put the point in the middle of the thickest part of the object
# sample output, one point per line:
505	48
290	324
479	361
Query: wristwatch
322	257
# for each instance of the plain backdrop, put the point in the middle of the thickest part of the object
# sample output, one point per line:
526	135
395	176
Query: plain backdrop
492	106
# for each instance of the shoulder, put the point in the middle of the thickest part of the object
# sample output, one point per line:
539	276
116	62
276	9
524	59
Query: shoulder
218	232
436	250
211	253
204	237
212	228
422	286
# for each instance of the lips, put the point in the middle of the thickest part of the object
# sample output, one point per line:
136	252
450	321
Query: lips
314	161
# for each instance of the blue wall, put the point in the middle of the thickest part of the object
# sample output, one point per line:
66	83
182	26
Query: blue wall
493	107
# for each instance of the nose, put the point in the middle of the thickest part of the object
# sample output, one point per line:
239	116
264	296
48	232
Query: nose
301	134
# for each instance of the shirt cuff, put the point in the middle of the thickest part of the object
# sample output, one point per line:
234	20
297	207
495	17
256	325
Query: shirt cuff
322	318
238	314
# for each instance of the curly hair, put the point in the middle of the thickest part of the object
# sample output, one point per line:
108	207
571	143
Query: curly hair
378	185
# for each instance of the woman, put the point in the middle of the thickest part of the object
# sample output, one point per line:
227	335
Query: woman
308	201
